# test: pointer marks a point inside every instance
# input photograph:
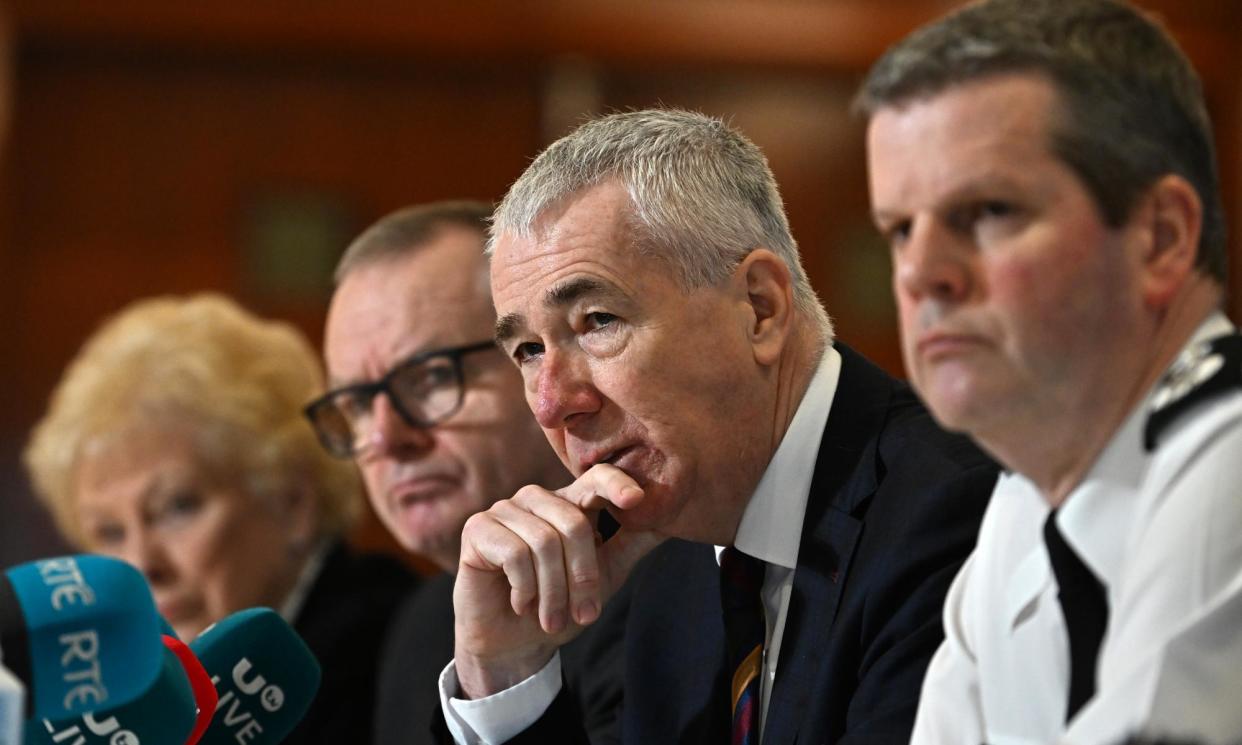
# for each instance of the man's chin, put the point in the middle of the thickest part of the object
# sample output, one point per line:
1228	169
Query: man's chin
441	550
437	540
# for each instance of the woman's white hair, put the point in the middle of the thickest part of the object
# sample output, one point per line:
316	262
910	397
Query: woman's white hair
203	367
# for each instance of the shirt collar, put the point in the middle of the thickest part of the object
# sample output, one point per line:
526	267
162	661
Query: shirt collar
771	526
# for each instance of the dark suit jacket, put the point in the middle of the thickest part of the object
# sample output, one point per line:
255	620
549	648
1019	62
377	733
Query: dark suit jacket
894	509
420	644
343	620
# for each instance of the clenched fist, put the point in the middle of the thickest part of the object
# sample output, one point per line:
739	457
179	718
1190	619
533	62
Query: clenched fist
534	571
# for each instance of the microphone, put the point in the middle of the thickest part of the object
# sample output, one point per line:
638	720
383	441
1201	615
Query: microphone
12	707
164	715
200	684
264	674
81	633
166	628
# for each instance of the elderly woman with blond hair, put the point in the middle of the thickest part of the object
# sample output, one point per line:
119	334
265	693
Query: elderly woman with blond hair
175	441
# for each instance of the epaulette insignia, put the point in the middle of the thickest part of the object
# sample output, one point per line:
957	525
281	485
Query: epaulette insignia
1199	373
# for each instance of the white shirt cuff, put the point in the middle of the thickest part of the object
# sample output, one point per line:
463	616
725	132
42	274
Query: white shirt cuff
501	716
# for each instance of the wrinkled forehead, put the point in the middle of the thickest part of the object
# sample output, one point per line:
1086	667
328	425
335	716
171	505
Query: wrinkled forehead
1027	101
594	230
390	309
968	134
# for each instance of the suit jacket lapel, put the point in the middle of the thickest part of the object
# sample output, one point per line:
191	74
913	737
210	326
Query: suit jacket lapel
676	687
845	476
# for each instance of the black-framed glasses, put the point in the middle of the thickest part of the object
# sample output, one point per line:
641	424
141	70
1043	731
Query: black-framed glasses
424	390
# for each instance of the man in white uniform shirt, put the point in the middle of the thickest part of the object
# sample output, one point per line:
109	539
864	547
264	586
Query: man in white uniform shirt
648	289
1044	173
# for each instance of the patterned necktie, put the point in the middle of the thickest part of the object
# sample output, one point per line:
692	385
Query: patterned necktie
1084	604
741	580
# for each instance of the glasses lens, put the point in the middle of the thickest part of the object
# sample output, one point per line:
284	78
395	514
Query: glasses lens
333	427
428	391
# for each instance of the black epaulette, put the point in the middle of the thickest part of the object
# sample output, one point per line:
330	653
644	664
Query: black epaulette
1202	371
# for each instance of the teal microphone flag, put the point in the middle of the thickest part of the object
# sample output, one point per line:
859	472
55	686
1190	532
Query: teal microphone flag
80	632
265	677
164	715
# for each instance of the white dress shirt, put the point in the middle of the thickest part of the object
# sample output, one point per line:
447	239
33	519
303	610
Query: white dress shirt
1162	531
770	530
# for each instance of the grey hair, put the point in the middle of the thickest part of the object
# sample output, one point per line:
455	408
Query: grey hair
1131	105
409	228
703	195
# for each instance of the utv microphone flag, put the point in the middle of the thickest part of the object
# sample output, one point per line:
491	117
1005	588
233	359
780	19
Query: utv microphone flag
265	676
164	715
80	632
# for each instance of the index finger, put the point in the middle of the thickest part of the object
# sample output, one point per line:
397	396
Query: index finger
603	484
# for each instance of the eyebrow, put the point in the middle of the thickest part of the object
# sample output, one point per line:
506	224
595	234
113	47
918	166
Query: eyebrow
566	293
507	327
558	296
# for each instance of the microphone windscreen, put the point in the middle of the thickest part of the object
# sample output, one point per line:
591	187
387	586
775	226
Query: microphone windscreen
81	632
264	673
163	715
12	707
200	683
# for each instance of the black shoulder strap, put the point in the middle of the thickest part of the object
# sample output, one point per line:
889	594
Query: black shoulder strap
1203	371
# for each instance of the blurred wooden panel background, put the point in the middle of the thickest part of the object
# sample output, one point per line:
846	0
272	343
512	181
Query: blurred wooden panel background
160	147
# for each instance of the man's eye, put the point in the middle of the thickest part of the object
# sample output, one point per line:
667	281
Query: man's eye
527	351
354	403
896	234
973	216
995	209
434	375
599	319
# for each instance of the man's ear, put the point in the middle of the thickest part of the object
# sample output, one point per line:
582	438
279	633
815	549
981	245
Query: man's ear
768	288
1172	218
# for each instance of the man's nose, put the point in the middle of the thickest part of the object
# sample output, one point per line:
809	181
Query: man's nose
933	263
388	434
562	391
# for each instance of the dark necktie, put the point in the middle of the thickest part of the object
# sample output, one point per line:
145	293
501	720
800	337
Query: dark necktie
1084	603
741	580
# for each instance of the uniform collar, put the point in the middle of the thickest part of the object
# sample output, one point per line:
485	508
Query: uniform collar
1096	516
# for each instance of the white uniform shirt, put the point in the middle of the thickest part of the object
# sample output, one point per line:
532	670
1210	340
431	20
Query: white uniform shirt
770	530
1163	532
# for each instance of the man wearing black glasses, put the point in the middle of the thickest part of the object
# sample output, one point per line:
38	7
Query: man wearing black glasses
436	419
